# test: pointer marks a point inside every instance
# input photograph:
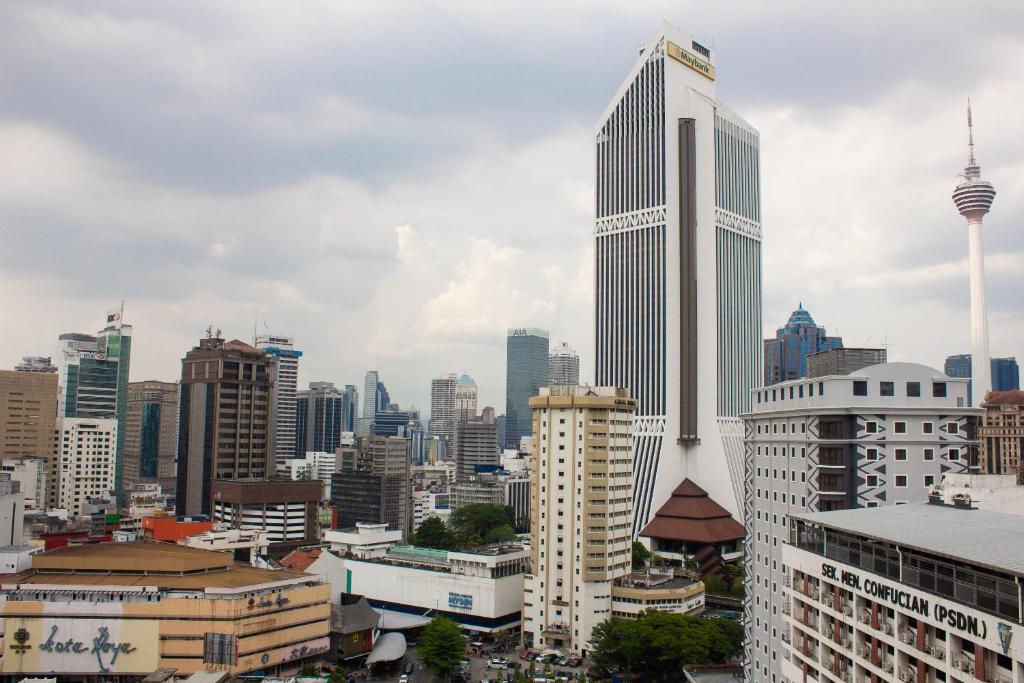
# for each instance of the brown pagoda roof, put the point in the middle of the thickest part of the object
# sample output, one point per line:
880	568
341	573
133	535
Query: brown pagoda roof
689	515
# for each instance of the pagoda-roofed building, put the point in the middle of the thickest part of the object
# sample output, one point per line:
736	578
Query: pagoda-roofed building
690	525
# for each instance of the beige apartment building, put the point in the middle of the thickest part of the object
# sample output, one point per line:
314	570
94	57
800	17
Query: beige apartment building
28	413
582	511
1001	432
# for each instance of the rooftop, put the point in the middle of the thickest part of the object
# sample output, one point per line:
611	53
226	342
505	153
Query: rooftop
1004	398
981	537
164	565
690	515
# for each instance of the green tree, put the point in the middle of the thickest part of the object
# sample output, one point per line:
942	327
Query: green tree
433	533
640	555
441	646
471	524
308	670
501	534
659	644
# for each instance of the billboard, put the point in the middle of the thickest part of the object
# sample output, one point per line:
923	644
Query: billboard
67	645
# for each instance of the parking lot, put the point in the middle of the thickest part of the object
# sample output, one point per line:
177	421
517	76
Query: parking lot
478	669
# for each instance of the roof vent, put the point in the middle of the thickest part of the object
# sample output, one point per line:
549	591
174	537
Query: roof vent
962	501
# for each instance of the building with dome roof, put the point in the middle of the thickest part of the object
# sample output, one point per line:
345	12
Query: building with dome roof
785	357
465	399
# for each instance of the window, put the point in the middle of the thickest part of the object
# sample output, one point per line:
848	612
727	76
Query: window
871	427
939	389
871	454
914	389
954	454
887	389
952	428
872	503
929	454
860	388
901	481
821	388
872	480
929	480
899	427
901	454
927	428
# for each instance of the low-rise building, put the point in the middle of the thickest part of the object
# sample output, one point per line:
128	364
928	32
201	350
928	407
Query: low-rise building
363	541
170	529
286	510
662	591
917	592
427	504
1001	432
124	610
481	590
245	545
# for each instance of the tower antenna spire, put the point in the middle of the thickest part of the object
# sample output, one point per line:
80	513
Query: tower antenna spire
970	136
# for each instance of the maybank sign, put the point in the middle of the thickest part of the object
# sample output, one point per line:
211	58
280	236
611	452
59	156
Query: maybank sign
691	60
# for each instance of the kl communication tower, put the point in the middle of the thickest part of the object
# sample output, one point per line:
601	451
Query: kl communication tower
973	198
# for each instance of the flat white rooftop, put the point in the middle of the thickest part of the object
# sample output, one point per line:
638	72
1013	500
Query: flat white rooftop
980	537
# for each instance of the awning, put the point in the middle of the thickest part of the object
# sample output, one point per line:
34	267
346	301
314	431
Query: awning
389	647
400	621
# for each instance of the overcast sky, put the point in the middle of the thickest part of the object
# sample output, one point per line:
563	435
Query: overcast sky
395	184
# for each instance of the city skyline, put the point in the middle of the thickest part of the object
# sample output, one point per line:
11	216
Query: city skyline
457	267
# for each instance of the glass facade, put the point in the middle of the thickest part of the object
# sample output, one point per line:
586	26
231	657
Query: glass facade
526	371
785	357
1005	371
149	441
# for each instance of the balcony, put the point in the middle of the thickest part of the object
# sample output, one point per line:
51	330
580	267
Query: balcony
864	617
786	609
908	675
557	628
963	663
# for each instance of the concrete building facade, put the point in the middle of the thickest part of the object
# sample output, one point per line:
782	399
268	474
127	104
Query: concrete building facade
883	435
1001	433
85	464
151	434
843	361
286	381
28	413
225	420
582	505
442	406
563	366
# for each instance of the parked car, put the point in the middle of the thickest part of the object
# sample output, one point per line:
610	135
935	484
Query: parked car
404	678
409	668
498	663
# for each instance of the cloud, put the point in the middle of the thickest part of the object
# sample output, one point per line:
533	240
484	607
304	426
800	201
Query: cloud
394	184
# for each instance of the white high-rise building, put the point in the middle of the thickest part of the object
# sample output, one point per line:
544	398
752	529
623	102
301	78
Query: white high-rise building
973	198
465	399
882	435
86	457
678	270
286	381
369	411
581	502
563	366
442	406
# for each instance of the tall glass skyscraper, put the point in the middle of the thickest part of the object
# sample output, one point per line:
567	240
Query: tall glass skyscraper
785	357
678	270
93	379
526	371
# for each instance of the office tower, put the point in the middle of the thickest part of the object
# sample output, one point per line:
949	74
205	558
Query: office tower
1005	372
785	357
224	424
882	435
391	422
482	489
1001	432
678	270
442	406
973	198
28	412
151	434
370	398
526	371
321	415
582	505
85	462
465	398
563	366
843	361
383	397
476	445
286	379
379	490
35	364
93	378
350	408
